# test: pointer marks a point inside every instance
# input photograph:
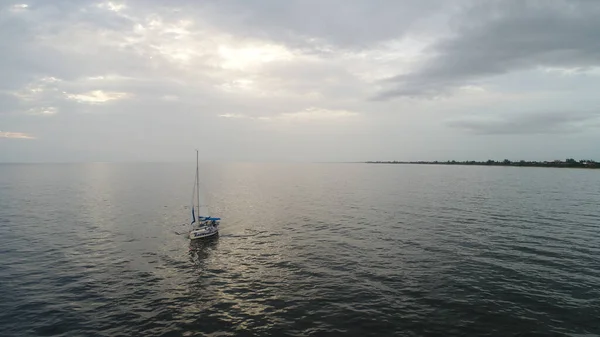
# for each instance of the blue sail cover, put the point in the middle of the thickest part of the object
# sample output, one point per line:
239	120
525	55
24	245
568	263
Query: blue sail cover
210	218
193	216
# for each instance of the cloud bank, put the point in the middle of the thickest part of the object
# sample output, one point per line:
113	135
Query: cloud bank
294	80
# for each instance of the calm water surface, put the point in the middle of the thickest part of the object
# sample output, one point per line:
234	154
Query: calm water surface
305	250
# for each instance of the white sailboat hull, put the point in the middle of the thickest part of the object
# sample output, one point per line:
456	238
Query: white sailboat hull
203	232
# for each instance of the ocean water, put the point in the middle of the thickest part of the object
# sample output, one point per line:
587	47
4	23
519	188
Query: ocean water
304	250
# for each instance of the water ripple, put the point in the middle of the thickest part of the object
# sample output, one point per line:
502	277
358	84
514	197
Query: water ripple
306	250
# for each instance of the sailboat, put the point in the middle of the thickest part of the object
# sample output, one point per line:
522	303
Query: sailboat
202	226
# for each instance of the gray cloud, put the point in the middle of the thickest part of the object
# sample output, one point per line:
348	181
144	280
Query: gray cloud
22	37
530	123
344	24
497	37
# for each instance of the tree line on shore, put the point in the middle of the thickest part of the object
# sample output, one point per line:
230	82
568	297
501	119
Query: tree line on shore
570	162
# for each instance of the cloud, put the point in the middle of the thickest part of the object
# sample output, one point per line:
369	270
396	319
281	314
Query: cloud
230	115
111	6
529	123
153	72
15	135
37	89
316	114
42	96
97	96
309	114
493	38
44	110
323	26
98	52
18	8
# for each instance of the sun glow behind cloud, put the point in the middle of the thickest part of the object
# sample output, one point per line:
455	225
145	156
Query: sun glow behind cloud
192	50
248	56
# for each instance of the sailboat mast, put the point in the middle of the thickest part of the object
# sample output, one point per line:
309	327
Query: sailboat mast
197	185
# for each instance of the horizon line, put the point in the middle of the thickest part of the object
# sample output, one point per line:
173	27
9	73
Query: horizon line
289	162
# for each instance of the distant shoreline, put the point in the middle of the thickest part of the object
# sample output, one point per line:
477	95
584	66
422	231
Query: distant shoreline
569	163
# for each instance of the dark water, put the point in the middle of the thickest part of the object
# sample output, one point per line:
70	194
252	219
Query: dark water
305	250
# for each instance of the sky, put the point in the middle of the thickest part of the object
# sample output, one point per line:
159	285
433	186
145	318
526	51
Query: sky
299	80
